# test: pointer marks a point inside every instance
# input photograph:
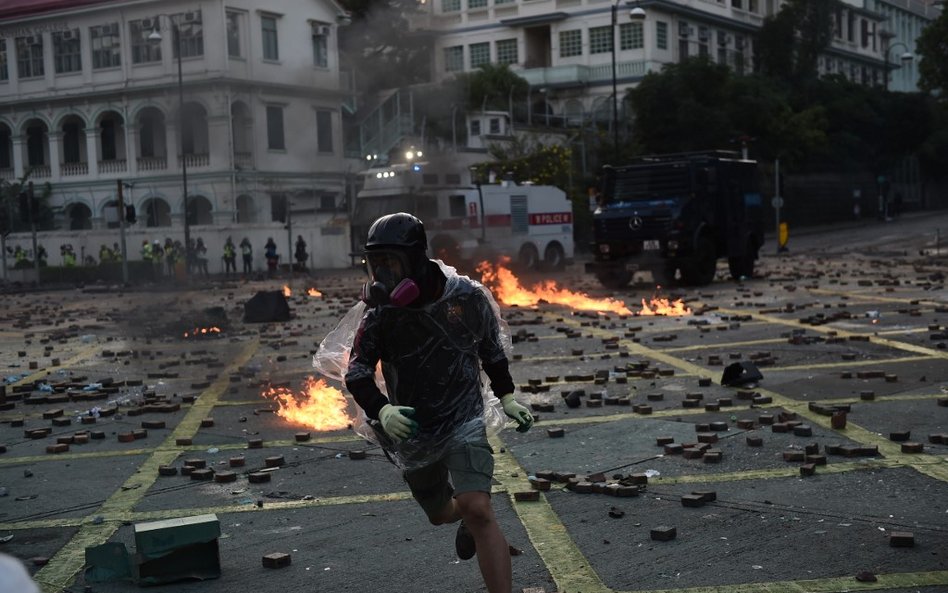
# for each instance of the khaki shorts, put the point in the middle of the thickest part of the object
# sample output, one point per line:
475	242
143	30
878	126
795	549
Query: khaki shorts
470	467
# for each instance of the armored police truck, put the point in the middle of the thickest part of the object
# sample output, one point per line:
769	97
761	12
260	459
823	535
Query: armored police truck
675	215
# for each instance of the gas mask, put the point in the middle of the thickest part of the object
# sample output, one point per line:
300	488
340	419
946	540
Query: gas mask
390	281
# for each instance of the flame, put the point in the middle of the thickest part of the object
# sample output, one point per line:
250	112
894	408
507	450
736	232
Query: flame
314	293
659	306
202	331
318	407
509	291
286	291
507	288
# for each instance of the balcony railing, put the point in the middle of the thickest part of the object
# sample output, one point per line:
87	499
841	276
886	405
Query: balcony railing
113	166
72	169
197	160
40	171
580	74
244	160
152	163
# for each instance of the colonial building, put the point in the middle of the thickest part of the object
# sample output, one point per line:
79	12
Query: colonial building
570	51
236	103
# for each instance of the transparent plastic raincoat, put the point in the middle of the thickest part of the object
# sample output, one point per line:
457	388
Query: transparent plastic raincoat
430	360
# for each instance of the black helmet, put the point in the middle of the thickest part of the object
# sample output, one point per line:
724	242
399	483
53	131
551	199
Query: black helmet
399	230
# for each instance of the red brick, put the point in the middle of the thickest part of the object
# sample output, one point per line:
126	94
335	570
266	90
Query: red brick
224	477
275	461
57	448
167	470
527	496
900	435
807	469
555	433
910	447
755	441
258	477
692	500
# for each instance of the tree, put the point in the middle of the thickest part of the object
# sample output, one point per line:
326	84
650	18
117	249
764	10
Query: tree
492	86
932	46
682	108
790	43
526	160
382	47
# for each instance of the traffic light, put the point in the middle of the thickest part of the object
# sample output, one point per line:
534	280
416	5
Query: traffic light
130	214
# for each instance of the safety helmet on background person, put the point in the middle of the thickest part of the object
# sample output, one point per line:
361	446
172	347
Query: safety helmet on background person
396	260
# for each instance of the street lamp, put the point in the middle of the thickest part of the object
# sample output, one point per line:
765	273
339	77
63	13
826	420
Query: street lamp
637	14
906	58
155	35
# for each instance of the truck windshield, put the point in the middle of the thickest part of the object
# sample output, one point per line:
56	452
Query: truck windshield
650	182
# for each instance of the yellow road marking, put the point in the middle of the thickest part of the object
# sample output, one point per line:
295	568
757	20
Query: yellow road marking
560	554
877	298
849	363
828	585
68	561
931	352
44	372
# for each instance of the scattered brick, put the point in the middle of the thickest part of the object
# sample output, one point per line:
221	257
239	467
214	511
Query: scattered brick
673	449
692	500
258	477
910	447
224	477
664	440
555	433
153	424
57	448
527	496
807	469
663	533
276	560
275	461
803	430
125	437
901	539
900	435
755	441
238	461
357	454
540	484
182	442
255	444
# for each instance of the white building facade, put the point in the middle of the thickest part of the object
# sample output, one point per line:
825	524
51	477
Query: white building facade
564	48
90	97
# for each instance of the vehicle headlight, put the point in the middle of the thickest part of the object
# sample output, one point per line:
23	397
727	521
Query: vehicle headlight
673	245
603	248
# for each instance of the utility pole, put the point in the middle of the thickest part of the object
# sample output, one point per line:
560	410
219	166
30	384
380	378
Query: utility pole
121	211
778	200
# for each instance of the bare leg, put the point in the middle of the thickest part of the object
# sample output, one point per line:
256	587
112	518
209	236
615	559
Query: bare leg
493	553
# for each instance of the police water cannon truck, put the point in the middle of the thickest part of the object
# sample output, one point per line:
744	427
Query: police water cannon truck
467	224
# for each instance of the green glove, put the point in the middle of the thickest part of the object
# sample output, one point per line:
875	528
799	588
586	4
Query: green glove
397	423
519	413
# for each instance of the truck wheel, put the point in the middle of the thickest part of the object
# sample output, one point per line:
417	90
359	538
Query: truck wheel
528	258
742	267
614	279
553	257
700	269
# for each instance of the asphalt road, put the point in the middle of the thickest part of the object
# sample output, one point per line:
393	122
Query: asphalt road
850	318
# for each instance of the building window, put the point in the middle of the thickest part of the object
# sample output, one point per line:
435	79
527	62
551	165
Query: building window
739	54
144	50
471	4
29	56
661	35
495	125
450	5
704	35
480	54
271	49
191	32
321	45
323	130
107	139
233	35
278	206
631	36
506	51
600	40
66	54
496	2
106	46
475	127
275	139
4	72
454	58
571	43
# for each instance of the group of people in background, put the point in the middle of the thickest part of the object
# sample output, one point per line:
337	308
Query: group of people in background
166	256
